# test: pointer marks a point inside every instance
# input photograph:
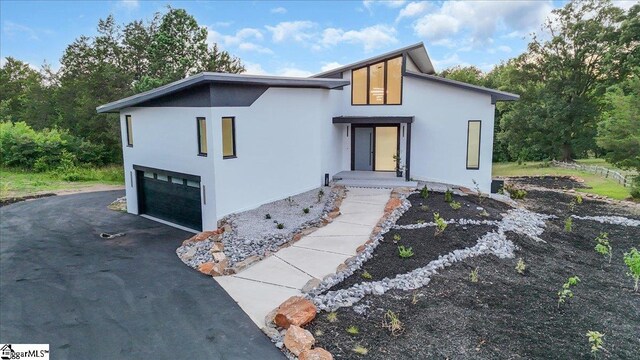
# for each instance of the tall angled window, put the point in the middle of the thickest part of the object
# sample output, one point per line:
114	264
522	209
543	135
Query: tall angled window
228	137
473	144
127	120
378	84
202	136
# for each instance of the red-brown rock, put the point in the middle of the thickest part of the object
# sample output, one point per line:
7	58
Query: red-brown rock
392	204
206	268
295	311
297	340
315	354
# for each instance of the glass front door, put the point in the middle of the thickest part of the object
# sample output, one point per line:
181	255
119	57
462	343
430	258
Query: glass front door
374	148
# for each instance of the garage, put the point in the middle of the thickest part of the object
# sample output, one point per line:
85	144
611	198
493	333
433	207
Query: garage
169	196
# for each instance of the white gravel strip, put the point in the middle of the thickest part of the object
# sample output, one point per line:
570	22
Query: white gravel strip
450	221
517	220
615	220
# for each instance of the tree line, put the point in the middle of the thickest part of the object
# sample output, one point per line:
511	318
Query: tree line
121	60
579	82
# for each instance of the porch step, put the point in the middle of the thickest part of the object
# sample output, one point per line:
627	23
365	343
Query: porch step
376	183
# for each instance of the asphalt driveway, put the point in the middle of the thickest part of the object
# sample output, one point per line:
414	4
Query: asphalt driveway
125	298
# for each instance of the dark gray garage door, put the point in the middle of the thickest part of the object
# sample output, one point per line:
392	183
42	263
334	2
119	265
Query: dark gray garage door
170	196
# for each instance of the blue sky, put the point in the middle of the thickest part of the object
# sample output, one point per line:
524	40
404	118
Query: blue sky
296	38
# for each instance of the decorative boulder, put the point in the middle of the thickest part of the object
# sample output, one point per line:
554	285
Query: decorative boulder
315	354
297	339
295	311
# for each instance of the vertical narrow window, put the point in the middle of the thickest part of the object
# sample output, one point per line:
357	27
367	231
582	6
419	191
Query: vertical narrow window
202	136
228	137
359	86
473	145
127	120
376	84
394	81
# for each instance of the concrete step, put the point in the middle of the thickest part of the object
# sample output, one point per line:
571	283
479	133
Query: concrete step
377	183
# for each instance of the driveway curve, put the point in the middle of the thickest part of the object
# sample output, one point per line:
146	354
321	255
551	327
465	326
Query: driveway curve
124	298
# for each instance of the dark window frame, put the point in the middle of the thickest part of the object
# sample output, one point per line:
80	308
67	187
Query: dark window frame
479	143
233	137
386	66
128	124
198	119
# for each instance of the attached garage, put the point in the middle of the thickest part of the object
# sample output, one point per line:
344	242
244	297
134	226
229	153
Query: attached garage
170	196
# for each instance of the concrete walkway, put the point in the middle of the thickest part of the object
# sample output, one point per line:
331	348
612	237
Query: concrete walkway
265	285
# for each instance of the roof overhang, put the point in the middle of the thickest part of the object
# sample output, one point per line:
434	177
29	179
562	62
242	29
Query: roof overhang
496	95
221	78
417	52
373	119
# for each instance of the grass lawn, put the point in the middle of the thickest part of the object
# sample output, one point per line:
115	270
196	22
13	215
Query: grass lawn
18	182
598	184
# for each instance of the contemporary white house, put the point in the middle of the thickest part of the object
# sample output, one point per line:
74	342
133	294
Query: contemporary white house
213	144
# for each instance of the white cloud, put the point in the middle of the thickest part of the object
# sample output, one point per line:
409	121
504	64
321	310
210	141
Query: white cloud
389	3
370	38
480	20
413	9
129	4
247	46
294	72
330	66
289	70
504	48
294	30
223	24
254	69
241	36
279	10
12	29
625	4
448	61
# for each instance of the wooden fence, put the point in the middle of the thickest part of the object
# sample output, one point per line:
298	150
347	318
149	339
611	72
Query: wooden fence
603	171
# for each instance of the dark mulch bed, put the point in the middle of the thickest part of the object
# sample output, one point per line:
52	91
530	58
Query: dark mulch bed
426	247
558	203
549	182
435	203
506	315
13	200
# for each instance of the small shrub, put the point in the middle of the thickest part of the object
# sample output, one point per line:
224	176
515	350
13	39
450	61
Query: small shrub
360	350
579	199
481	195
365	275
305	210
455	205
318	332
603	247
484	213
392	323
414	298
566	293
424	208
280	226
353	330
441	225
424	193
267	216
596	341
515	193
320	195
405	252
568	224
473	275
632	259
396	238
448	196
332	317
521	267
420	221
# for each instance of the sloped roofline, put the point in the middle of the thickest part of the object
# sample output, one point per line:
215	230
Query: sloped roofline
221	78
496	95
424	64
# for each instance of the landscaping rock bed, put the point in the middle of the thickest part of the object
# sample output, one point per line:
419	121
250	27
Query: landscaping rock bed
559	204
505	314
251	235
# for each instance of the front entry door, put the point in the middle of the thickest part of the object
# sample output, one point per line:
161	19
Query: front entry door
363	148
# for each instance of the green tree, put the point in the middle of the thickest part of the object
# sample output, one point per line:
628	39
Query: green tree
467	74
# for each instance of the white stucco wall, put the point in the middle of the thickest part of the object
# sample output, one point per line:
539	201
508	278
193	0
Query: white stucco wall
278	145
166	138
439	130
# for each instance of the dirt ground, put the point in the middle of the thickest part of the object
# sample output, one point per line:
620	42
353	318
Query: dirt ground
505	315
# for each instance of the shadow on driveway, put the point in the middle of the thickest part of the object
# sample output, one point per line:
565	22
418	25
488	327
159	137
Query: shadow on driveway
125	298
